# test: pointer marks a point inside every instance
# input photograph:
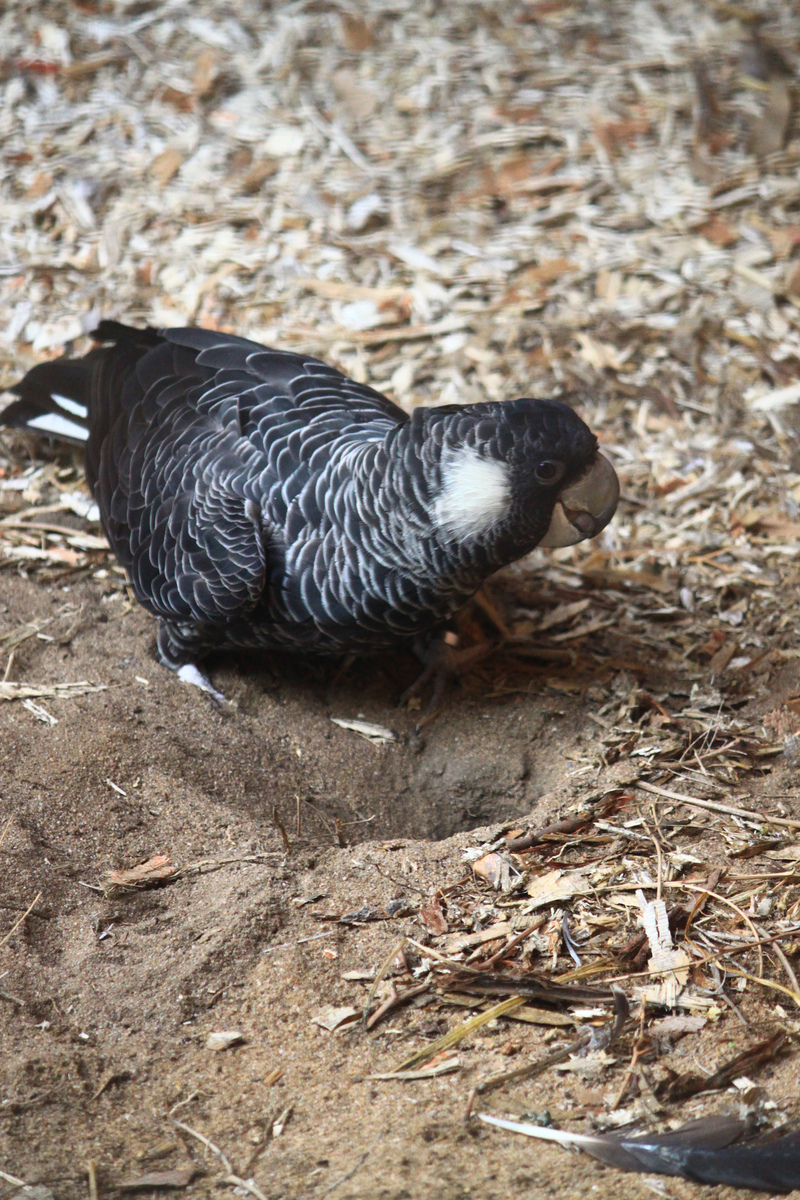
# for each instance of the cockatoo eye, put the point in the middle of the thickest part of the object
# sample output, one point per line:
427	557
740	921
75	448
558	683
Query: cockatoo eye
549	471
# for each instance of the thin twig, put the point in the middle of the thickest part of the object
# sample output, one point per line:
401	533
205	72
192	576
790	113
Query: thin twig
395	1001
770	983
17	923
657	845
570	825
787	966
396	949
6	828
12	1179
453	963
205	866
639	1048
443	1068
531	1070
702	959
510	945
724	900
276	817
206	1142
759	818
91	1170
341	139
247	1184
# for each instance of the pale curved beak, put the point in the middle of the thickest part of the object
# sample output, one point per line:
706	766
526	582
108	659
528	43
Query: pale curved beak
585	507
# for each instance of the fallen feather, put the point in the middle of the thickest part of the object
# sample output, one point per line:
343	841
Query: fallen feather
360	314
702	1151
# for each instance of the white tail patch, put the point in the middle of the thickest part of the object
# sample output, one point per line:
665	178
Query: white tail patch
475	494
58	426
70	406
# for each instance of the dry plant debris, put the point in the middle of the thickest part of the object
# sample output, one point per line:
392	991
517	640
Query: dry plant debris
455	203
179	1178
154	872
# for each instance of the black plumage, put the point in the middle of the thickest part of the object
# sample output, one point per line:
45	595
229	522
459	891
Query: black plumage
261	499
707	1150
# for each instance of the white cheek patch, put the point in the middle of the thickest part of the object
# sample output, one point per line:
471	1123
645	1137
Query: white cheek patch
59	426
475	494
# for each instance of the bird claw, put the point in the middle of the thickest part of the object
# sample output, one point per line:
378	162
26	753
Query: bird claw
443	660
191	674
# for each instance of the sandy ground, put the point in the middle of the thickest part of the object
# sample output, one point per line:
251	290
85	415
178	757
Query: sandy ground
107	1003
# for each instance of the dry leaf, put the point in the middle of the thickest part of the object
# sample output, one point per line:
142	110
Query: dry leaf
260	170
329	1017
180	1177
555	887
677	1025
205	72
223	1039
432	915
561	614
490	868
546	272
611	133
784	239
359	100
156	870
591	1065
42	183
719	232
181	100
356	32
600	355
769	132
166	164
